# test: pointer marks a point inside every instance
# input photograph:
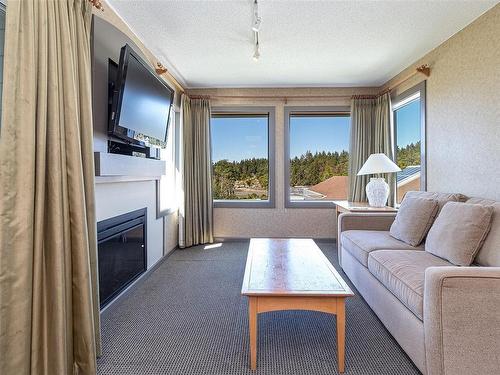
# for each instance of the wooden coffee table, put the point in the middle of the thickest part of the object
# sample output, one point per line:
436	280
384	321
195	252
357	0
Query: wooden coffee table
292	274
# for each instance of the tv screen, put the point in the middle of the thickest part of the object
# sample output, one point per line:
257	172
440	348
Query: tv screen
141	100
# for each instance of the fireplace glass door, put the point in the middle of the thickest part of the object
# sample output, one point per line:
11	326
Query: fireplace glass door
121	252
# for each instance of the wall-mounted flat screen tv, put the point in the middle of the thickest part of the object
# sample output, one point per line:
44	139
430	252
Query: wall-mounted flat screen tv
141	100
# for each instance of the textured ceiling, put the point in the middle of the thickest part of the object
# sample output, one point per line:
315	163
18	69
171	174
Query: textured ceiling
303	43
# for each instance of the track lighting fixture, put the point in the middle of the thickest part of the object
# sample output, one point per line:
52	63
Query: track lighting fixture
256	19
255	28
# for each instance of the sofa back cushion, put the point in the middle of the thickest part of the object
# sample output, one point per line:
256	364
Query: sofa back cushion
441	198
459	232
413	220
489	254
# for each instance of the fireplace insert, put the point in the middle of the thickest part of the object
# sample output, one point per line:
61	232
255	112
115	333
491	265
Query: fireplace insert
122	253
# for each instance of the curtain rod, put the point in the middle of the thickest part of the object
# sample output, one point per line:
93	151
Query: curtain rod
424	69
97	4
160	70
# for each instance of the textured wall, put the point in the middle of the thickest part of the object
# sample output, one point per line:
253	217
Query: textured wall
463	110
279	221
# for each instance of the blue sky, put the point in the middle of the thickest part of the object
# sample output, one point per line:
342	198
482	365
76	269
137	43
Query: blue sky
239	138
318	134
408	124
244	138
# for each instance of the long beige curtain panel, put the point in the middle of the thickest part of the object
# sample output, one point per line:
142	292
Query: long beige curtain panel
360	146
370	133
382	138
49	321
196	213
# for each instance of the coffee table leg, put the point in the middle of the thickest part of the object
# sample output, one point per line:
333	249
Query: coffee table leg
252	321
341	333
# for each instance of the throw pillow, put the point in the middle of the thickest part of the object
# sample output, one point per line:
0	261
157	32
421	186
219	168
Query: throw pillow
459	232
413	220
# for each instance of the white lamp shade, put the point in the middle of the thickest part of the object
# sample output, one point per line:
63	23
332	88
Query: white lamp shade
378	163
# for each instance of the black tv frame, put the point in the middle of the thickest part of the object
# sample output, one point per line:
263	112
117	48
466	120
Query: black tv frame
114	129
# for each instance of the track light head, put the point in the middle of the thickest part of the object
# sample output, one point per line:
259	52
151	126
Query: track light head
256	54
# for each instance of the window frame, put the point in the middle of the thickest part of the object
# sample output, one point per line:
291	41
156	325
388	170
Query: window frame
340	111
163	207
398	102
270	112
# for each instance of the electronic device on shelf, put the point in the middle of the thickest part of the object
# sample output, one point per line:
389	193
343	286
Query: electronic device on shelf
130	149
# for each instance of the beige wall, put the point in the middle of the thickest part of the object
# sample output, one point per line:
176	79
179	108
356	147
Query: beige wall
463	110
278	221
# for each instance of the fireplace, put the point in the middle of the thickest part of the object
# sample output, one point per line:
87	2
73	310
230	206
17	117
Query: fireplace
122	253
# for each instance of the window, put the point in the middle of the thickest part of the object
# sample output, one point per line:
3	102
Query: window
166	186
316	156
409	136
242	157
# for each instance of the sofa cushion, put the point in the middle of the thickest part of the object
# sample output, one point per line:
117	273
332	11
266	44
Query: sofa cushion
413	220
402	272
459	232
359	243
489	254
442	198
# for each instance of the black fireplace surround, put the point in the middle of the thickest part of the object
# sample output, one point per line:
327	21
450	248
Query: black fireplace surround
122	253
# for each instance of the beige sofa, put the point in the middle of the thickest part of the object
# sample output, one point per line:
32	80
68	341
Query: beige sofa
446	317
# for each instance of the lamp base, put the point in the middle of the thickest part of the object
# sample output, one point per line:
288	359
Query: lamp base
377	192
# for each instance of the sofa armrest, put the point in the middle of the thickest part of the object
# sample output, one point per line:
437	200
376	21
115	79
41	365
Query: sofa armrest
362	221
462	320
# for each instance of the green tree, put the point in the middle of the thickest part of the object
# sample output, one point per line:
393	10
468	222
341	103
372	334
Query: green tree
310	169
408	155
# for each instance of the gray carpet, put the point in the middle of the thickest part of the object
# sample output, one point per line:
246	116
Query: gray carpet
188	317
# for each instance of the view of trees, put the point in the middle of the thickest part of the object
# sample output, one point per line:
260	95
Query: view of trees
311	169
408	155
245	179
249	178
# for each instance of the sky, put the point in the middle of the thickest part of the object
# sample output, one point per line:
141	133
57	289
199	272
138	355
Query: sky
318	134
240	138
408	124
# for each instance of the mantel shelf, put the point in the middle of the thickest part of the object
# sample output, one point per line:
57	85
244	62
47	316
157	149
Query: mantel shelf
121	168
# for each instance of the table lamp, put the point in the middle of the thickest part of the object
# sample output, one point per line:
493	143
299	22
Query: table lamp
377	189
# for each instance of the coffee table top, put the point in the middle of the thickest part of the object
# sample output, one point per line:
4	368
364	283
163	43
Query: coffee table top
290	267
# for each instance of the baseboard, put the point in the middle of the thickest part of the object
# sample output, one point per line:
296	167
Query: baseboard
140	279
231	239
239	239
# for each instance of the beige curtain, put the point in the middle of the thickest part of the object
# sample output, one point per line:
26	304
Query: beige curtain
49	321
370	133
383	140
196	214
360	146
